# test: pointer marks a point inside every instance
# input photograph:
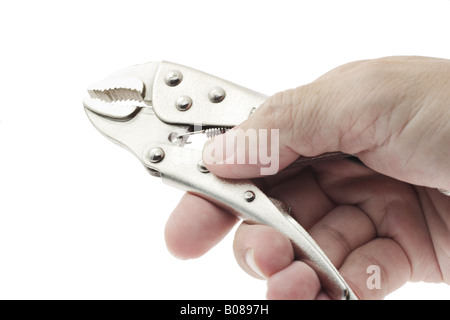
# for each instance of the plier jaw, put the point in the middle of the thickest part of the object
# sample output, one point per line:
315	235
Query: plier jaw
151	109
120	95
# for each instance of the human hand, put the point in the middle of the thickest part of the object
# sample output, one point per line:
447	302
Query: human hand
394	114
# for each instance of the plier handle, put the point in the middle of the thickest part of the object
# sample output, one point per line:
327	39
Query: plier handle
153	108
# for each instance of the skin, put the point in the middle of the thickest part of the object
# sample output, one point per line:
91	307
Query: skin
394	114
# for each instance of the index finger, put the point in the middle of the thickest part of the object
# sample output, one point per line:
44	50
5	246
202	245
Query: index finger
195	226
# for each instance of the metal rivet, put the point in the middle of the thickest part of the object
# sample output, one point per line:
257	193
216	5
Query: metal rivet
173	78
156	155
249	196
217	95
183	103
201	167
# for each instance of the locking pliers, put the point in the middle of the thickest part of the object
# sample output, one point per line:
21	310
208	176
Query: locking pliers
152	109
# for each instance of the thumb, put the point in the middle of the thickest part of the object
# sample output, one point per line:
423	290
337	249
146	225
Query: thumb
287	125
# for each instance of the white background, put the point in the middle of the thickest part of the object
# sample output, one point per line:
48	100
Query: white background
79	217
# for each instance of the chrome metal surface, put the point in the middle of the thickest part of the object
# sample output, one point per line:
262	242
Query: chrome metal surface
210	133
122	94
217	95
234	109
118	89
214	132
173	78
156	155
183	103
249	196
117	110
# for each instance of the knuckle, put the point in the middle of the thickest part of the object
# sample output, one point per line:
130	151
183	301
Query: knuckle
310	112
278	107
298	113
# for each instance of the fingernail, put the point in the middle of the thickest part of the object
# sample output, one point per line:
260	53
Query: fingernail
251	263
